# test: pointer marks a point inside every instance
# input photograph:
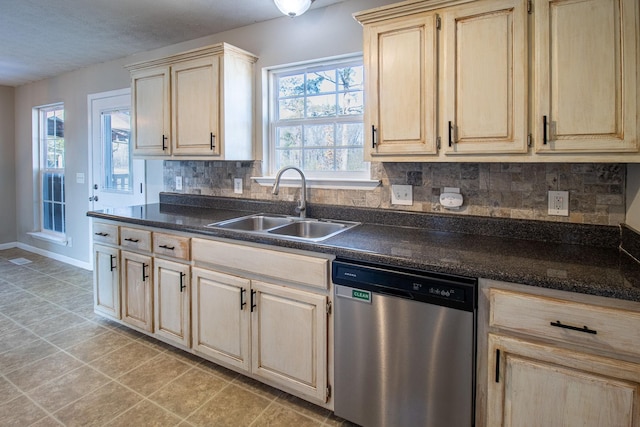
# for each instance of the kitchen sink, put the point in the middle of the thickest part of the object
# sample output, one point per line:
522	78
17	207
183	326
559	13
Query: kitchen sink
286	227
311	229
254	222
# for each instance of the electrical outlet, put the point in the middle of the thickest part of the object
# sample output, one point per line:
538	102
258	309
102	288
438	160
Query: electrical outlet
559	203
237	185
401	195
178	183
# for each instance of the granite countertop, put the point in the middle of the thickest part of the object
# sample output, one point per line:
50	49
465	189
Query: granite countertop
584	259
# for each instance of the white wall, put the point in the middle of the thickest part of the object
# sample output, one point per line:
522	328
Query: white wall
633	196
7	167
318	33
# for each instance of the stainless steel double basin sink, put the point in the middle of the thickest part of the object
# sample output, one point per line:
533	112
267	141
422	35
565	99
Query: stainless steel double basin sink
286	227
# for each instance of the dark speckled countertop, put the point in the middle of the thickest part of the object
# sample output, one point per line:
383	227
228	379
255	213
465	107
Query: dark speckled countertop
571	257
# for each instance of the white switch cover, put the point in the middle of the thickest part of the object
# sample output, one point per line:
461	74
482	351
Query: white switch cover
79	178
237	185
401	195
559	203
178	183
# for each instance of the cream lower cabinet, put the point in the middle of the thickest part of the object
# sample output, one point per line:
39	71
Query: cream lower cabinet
137	290
172	301
106	281
546	386
554	362
289	338
221	317
248	313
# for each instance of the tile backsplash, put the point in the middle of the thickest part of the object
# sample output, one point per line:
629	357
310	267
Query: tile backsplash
507	190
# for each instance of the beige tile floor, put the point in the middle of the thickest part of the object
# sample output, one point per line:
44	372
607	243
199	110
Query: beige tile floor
60	364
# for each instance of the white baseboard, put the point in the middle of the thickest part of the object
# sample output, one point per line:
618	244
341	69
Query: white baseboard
11	245
53	255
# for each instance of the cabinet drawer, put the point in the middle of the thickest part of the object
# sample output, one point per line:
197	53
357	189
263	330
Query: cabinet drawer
105	233
608	329
135	239
170	245
306	270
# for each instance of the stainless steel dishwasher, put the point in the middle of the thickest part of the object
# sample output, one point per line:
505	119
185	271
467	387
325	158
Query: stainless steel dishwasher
405	345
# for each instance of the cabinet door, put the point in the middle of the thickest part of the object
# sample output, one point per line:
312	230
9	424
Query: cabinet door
220	310
137	290
484	78
172	301
586	81
401	67
106	283
289	338
151	112
541	385
195	96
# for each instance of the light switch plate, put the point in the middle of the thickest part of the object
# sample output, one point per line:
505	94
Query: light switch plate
559	203
178	183
237	185
401	195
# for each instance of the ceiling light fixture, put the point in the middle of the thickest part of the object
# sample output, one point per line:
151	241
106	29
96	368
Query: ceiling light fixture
293	7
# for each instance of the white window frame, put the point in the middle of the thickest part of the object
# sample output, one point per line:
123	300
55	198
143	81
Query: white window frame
41	137
329	179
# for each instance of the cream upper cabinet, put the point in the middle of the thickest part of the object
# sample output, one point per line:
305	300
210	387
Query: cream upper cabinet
540	385
150	112
484	78
194	97
196	104
401	69
586	81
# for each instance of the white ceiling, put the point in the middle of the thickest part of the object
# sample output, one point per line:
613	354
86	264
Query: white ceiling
45	38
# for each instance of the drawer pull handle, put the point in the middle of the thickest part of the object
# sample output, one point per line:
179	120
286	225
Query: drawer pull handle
167	247
182	285
132	240
253	296
145	276
584	329
242	301
373	136
102	234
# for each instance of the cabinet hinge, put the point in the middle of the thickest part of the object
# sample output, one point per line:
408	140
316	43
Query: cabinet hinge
438	23
529	7
328	393
328	307
529	140
438	143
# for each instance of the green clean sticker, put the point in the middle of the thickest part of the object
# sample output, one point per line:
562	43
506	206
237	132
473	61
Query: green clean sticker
361	295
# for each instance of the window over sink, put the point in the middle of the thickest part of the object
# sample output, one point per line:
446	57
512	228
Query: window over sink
316	114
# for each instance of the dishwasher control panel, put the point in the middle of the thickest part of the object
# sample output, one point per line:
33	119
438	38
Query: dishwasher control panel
424	286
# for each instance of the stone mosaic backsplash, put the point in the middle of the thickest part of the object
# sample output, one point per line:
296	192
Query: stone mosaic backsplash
505	190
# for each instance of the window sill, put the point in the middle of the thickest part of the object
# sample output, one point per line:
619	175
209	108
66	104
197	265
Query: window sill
326	183
58	240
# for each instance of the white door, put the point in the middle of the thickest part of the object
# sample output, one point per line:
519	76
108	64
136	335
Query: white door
117	179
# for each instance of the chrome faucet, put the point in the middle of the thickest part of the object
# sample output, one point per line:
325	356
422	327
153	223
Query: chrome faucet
302	205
